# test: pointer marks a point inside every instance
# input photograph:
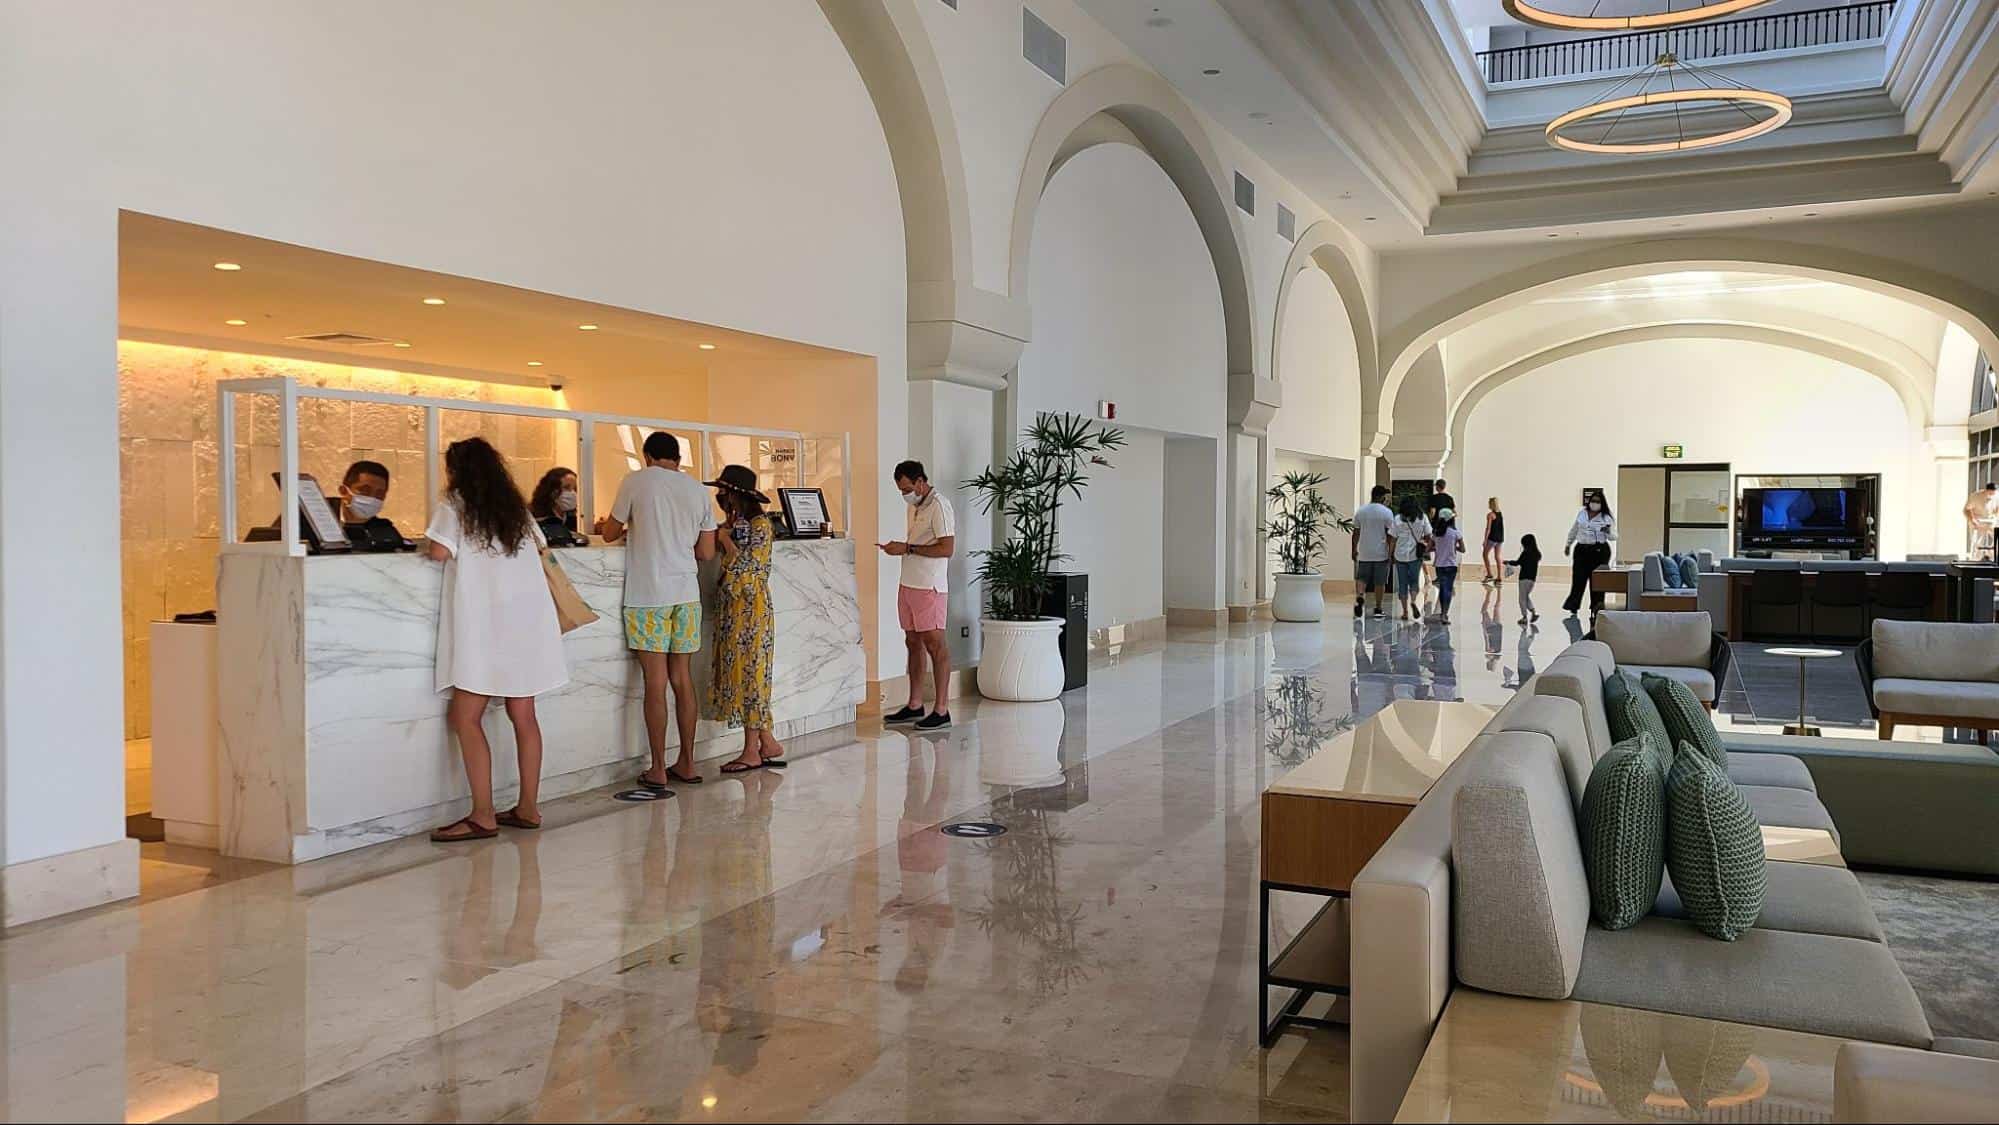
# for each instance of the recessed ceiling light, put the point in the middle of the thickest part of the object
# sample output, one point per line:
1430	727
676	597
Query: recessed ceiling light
534	363
1212	71
227	267
1811	214
586	328
1554	236
235	323
402	343
433	300
1367	218
706	347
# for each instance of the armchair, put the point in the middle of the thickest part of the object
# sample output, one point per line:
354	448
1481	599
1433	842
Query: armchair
1931	674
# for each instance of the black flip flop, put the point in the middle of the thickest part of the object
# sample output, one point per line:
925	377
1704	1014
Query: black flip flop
776	763
656	786
675	775
741	767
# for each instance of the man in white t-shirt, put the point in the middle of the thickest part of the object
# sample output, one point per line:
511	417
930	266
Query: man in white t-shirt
1981	514
671	521
922	598
1371	550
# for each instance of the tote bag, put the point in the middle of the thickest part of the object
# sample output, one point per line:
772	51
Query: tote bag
571	611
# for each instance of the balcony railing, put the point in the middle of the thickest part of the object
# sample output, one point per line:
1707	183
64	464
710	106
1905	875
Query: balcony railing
1851	23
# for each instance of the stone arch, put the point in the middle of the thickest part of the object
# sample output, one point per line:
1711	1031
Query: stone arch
1974	309
1904	383
1122	104
1324	245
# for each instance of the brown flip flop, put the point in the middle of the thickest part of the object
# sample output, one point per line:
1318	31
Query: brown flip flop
677	776
444	835
512	818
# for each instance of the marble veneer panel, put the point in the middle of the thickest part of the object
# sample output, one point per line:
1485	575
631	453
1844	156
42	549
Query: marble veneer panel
260	704
379	760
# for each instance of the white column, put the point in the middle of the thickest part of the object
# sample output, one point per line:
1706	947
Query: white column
1949	448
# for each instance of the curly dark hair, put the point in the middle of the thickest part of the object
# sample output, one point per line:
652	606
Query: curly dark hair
495	513
542	503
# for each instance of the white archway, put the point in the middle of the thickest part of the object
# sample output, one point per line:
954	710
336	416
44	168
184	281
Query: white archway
1974	309
1324	245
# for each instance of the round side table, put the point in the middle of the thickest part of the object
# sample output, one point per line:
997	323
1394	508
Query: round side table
1803	655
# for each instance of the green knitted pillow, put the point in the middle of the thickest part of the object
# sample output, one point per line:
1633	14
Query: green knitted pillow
1624	833
1687	721
1714	847
1631	713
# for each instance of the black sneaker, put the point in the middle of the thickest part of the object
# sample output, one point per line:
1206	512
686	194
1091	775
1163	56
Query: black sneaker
936	720
906	715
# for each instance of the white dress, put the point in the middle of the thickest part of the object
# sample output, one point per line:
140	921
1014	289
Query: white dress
496	628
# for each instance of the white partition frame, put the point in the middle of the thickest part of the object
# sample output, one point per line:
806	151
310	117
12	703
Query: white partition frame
287	391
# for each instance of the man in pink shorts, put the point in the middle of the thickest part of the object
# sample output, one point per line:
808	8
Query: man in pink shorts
921	600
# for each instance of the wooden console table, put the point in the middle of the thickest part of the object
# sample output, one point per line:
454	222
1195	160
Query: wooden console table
1325	819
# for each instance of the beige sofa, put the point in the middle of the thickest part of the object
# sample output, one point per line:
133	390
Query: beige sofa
1483	886
1928	673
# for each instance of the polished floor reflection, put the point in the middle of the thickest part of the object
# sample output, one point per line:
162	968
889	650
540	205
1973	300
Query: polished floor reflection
775	946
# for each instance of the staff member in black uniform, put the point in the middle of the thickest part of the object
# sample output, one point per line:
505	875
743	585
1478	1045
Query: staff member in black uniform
553	506
1590	537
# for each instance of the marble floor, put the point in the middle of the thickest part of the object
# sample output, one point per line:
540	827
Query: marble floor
797	945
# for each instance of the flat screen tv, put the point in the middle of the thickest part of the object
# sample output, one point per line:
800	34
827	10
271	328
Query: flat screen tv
1803	517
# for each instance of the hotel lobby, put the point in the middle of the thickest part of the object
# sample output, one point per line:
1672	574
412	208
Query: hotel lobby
1468	587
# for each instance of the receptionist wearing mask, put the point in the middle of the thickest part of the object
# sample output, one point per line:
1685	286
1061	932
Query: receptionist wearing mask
363	491
553	506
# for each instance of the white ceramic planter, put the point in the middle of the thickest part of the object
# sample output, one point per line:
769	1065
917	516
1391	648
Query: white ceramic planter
1299	597
1020	661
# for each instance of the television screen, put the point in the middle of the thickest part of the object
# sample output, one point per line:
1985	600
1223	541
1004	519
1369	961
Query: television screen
1797	510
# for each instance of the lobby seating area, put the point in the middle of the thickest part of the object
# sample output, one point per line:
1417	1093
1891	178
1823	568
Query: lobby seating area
1932	674
1483	887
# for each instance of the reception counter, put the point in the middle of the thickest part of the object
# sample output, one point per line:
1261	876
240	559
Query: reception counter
333	737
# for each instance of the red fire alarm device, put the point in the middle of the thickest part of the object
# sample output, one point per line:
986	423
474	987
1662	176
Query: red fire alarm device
1107	410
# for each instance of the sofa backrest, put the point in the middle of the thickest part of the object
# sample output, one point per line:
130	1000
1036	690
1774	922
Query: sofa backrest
1674	640
1561	721
1576	676
1400	946
1934	650
1708	563
1520	899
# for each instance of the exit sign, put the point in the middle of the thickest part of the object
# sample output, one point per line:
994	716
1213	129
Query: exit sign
1673	452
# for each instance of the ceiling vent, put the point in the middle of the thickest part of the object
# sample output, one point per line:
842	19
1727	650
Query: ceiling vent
350	339
1287	224
1245	194
1044	46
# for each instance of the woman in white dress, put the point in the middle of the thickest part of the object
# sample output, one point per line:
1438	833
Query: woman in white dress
497	634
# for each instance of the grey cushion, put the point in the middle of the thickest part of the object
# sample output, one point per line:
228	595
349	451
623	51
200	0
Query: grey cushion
1624	833
1632	713
1933	650
1784	807
1975	1048
1841	987
1579	678
1962	700
1651	573
1562	721
1700	681
1805	898
1686	720
1777	770
1521	900
1714	848
1673	638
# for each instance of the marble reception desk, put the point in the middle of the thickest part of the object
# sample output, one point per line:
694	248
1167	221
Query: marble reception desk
333	738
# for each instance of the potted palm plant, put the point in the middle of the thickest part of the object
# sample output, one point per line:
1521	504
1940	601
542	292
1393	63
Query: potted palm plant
1021	659
1300	517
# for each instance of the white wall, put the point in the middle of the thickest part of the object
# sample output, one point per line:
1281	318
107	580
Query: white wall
1537	441
1320	372
1190	508
1126	307
620	158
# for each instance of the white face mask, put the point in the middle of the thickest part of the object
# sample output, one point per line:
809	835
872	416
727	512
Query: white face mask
911	499
565	501
363	508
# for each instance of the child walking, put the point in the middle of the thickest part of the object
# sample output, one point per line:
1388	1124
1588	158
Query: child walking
745	629
1529	563
1449	547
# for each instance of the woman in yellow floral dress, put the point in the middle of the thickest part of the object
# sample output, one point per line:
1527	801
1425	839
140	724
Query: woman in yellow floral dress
745	628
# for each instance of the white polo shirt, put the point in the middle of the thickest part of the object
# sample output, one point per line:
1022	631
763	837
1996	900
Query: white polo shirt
928	522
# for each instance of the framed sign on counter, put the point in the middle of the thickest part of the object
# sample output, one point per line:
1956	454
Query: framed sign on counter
804	511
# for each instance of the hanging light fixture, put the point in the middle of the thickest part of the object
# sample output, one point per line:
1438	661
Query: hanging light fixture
1762	111
1527	12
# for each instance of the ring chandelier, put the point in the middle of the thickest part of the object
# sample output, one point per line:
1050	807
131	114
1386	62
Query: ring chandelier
1527	12
1573	130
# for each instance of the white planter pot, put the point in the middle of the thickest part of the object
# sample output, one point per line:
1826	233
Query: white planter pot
1020	661
1299	597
